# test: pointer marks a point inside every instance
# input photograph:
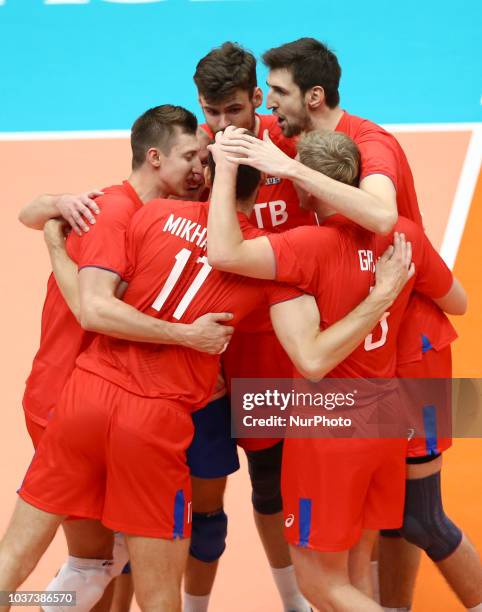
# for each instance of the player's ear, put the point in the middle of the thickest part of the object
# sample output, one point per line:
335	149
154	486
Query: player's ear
257	97
315	97
262	178
154	157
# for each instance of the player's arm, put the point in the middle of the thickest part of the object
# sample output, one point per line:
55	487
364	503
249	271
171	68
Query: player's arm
454	302
64	268
75	209
227	249
434	279
102	312
316	352
373	205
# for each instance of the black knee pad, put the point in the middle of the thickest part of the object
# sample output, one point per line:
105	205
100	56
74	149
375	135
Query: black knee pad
425	523
208	538
390	533
265	473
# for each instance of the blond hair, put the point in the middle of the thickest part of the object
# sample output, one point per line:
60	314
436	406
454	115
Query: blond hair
332	153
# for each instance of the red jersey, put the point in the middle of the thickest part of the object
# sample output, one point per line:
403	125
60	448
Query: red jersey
171	279
254	350
425	324
62	339
277	208
335	262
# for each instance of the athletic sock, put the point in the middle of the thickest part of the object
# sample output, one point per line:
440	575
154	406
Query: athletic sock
476	609
195	603
375	581
293	600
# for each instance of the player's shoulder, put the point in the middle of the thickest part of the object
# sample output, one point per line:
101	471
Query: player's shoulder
359	128
308	236
117	198
161	208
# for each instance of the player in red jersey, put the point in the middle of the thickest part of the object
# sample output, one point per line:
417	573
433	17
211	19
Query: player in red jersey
164	161
303	80
359	477
229	95
123	423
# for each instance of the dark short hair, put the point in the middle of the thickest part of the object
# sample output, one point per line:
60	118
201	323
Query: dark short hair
333	153
156	128
311	63
224	70
247	179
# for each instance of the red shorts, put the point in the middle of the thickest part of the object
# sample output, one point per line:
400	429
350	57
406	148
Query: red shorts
334	488
35	430
436	415
110	455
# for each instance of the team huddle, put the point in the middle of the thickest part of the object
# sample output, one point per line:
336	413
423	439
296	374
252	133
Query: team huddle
253	246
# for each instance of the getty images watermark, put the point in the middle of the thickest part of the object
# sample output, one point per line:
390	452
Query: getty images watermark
283	401
432	409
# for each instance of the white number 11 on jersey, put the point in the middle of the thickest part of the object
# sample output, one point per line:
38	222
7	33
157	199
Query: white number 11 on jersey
181	260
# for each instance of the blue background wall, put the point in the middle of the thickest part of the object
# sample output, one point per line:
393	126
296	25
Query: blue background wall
99	64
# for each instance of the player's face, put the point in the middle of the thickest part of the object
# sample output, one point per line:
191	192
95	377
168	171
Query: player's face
287	102
238	110
181	170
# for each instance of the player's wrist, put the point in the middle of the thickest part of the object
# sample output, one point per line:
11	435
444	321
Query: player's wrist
381	297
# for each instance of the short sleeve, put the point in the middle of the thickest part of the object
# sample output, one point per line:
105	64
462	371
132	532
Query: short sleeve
103	246
280	292
378	156
303	254
433	277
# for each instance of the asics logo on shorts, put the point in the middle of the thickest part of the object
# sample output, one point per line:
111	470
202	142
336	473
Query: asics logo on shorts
290	519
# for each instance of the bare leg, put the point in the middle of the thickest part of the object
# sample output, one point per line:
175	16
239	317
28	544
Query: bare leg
271	532
359	561
88	539
123	593
207	496
323	579
398	563
463	571
27	538
157	568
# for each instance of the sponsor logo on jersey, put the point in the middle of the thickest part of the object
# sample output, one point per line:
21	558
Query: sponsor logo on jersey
273	180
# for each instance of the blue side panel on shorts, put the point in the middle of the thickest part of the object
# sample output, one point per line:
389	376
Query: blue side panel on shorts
305	522
179	506
426	344
430	426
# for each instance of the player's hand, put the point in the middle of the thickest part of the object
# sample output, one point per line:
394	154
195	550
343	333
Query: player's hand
221	141
395	267
261	154
55	231
209	334
78	210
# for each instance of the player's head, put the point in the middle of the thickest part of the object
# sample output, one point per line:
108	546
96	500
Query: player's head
334	154
304	76
248	180
227	87
164	141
